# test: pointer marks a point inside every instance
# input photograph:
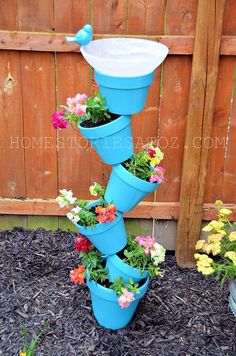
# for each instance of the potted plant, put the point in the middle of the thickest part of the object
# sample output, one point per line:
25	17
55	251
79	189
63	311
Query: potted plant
110	134
114	303
139	259
135	178
99	221
218	252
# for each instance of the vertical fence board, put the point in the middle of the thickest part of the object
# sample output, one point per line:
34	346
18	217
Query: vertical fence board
38	91
12	165
35	15
217	142
74	155
109	16
180	20
200	113
45	222
73	76
12	177
146	17
229	23
8	15
71	15
229	182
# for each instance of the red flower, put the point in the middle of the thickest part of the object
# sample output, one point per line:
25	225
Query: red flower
77	275
151	153
106	214
82	244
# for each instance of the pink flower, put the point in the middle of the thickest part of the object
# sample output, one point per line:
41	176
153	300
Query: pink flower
80	110
57	120
125	298
80	98
146	242
158	177
155	179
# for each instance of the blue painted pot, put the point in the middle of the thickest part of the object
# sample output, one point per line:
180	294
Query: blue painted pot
232	296
125	190
108	238
124	95
117	268
106	309
113	141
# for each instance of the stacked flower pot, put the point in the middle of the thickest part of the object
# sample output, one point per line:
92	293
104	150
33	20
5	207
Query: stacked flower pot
125	95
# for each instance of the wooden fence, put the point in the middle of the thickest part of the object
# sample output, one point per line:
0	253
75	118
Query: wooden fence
192	118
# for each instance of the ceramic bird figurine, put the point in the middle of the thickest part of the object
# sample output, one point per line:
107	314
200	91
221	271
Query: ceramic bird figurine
83	36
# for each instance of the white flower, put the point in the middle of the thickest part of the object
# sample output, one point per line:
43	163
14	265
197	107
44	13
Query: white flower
158	254
76	210
93	190
65	198
61	201
73	218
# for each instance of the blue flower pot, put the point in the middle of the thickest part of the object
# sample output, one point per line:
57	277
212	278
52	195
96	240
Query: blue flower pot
106	309
113	141
232	296
125	190
124	95
108	238
119	268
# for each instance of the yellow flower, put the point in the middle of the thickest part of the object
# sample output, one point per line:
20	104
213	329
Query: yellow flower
232	256
216	226
154	161
216	248
22	353
197	256
206	271
214	238
213	248
207	248
225	211
93	190
200	244
218	203
232	236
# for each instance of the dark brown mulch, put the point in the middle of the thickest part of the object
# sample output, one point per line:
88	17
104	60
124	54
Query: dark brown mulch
182	314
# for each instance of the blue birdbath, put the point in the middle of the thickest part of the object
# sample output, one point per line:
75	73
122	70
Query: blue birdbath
124	68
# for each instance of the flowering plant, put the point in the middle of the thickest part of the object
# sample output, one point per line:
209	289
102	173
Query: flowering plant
83	213
93	267
145	165
82	109
219	251
144	253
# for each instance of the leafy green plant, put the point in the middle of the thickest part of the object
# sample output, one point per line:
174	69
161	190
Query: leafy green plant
139	166
143	259
97	111
118	285
29	348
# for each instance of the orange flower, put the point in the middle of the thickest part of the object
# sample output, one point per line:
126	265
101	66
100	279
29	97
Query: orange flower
77	275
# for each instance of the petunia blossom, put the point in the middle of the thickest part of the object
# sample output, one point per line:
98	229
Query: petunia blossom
58	120
82	244
126	298
77	275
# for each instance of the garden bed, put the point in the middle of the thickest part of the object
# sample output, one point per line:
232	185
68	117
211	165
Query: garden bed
182	314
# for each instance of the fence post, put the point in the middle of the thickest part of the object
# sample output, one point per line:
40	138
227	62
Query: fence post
200	113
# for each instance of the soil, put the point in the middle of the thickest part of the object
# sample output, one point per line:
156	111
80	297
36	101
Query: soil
89	124
182	314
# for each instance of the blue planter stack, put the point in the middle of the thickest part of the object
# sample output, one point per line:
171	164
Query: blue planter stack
113	142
